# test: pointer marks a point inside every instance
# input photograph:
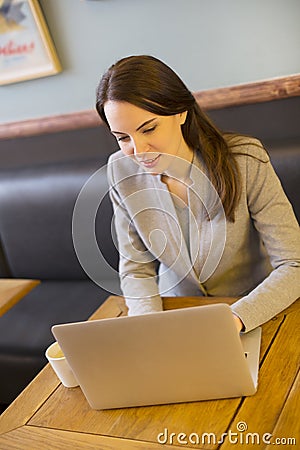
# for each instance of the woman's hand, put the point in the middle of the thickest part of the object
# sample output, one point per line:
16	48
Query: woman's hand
238	323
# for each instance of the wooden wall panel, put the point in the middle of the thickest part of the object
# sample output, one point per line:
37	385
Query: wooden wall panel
261	91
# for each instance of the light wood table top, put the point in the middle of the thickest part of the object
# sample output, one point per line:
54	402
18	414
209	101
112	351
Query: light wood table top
12	290
46	415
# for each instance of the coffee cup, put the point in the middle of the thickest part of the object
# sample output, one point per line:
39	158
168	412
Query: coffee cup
60	365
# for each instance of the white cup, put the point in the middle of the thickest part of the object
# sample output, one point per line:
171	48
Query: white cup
60	365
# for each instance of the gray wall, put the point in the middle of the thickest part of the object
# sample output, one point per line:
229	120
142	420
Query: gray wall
210	43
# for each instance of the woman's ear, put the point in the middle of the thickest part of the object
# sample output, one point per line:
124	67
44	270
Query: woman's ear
182	117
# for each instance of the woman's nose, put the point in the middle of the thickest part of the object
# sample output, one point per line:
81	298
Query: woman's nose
139	147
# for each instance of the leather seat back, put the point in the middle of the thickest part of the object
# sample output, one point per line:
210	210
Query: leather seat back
36	207
286	162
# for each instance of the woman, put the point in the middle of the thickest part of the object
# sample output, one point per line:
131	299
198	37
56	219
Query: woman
197	211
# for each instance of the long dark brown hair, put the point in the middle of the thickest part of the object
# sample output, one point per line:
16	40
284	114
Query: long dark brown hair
148	83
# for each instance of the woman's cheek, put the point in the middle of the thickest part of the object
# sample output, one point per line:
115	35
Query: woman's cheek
126	149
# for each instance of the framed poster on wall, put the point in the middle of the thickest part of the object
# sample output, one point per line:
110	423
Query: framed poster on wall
26	48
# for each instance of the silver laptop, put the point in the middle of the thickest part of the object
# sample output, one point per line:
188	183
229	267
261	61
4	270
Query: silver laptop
181	355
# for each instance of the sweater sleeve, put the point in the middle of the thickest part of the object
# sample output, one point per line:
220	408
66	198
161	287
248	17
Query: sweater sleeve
137	266
274	219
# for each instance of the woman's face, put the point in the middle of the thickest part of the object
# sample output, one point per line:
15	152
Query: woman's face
151	139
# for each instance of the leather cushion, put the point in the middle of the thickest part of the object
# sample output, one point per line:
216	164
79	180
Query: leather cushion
25	330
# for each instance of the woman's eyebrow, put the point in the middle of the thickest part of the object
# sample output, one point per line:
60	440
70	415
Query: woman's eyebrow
145	123
138	128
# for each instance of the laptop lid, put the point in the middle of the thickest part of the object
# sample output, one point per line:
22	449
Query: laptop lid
172	356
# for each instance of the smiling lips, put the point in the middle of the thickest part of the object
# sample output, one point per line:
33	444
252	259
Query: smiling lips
149	162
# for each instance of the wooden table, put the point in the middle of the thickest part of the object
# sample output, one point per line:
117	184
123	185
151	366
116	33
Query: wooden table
12	290
47	415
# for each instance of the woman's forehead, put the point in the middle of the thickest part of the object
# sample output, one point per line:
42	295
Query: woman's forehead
123	115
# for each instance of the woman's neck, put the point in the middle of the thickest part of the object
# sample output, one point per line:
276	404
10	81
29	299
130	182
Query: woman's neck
180	166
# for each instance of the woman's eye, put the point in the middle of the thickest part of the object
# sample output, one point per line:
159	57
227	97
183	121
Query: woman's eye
122	138
149	130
